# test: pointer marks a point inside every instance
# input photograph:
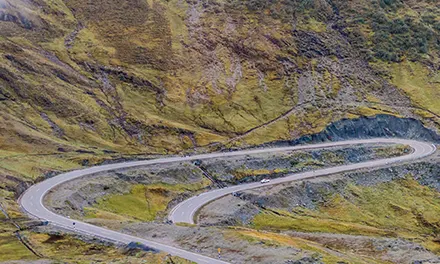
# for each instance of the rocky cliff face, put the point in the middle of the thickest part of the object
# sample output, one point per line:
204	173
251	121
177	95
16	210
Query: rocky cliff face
368	127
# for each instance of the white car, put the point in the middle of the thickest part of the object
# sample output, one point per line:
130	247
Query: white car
265	181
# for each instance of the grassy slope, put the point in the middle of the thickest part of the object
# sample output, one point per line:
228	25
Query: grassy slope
210	96
162	76
153	198
183	77
419	83
401	208
325	255
68	249
10	246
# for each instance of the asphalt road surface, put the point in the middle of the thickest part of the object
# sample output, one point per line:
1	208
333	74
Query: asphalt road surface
32	200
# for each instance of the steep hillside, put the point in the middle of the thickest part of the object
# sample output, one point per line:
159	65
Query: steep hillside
86	81
135	76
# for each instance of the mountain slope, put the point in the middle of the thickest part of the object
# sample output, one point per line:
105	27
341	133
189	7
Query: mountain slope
142	73
86	81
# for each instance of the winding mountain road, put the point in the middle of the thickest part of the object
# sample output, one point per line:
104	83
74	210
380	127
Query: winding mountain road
32	200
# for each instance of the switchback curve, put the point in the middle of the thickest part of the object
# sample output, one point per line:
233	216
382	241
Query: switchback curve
32	200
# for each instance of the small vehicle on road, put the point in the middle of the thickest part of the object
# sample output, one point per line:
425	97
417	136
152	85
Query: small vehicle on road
265	181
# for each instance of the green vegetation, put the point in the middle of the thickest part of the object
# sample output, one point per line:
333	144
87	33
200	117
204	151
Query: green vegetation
393	31
321	252
281	220
143	203
402	208
82	82
415	79
395	38
65	248
11	247
393	151
119	82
